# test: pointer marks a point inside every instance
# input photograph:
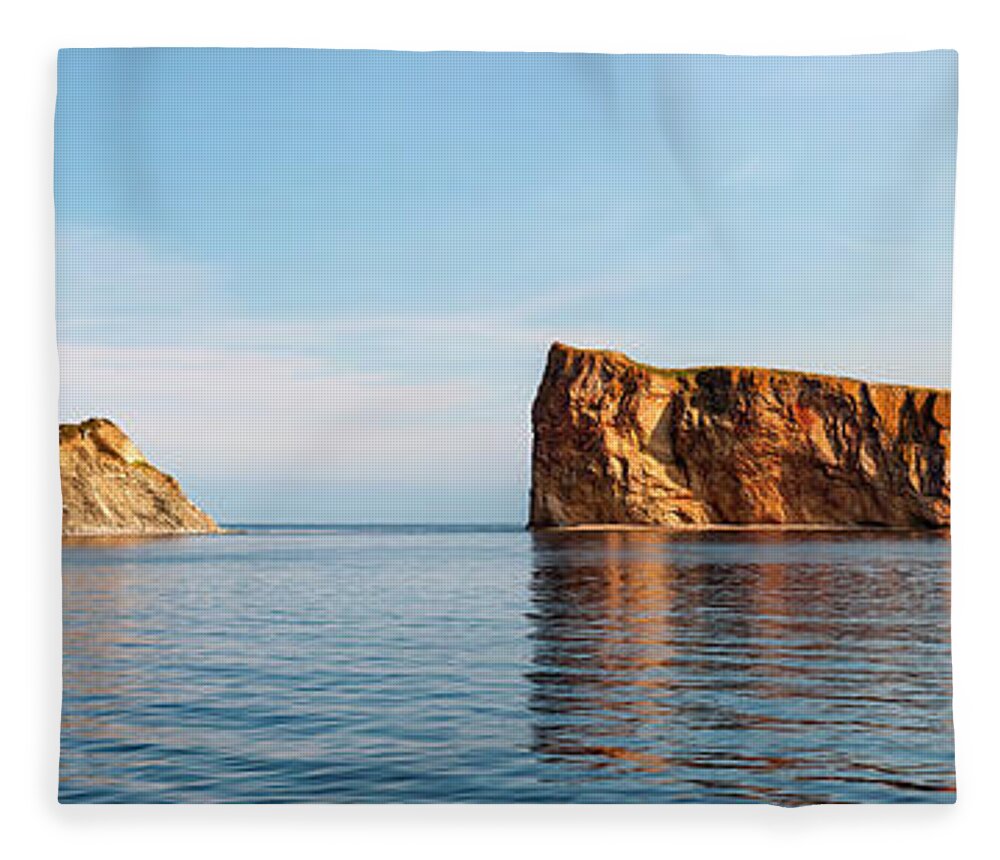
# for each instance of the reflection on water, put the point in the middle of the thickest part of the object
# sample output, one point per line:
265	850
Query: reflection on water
768	668
435	664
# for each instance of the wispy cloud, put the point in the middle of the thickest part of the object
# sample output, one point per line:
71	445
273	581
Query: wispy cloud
215	412
117	290
104	275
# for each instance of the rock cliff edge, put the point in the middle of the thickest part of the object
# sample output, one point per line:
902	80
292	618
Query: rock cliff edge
618	442
108	487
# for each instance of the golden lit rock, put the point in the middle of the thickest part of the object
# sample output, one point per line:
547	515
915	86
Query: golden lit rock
618	442
108	487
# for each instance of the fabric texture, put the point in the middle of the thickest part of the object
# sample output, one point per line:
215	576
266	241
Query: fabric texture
498	427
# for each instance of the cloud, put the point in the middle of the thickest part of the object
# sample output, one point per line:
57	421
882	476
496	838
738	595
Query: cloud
103	275
215	395
217	412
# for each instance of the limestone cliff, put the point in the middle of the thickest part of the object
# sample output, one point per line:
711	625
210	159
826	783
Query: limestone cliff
616	441
108	488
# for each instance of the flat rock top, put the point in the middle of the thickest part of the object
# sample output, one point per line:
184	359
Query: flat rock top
613	357
617	441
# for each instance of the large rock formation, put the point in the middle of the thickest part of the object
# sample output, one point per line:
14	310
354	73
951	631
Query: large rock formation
108	488
620	442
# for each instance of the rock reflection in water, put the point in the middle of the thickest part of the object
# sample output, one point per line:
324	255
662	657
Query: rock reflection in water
436	664
744	667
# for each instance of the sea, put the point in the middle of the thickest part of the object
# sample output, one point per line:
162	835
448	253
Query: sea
472	664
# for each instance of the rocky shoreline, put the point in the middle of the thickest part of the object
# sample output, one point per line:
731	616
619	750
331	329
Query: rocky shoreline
731	527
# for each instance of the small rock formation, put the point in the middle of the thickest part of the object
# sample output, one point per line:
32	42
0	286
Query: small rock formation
108	488
619	442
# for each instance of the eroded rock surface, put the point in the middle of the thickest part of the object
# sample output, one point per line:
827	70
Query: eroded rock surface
619	442
108	487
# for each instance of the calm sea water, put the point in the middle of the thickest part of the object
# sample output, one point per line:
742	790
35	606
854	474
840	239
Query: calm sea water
494	665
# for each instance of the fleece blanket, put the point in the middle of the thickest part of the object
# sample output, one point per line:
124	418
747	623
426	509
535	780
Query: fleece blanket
499	428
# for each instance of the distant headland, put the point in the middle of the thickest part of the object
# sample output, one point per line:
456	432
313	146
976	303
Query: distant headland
619	442
108	487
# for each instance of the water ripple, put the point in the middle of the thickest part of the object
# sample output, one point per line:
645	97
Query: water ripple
431	664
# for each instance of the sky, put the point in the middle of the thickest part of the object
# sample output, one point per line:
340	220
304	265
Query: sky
319	286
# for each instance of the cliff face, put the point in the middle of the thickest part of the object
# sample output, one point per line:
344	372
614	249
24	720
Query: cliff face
108	488
620	442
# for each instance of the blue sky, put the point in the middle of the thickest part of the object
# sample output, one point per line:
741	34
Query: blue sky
318	286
